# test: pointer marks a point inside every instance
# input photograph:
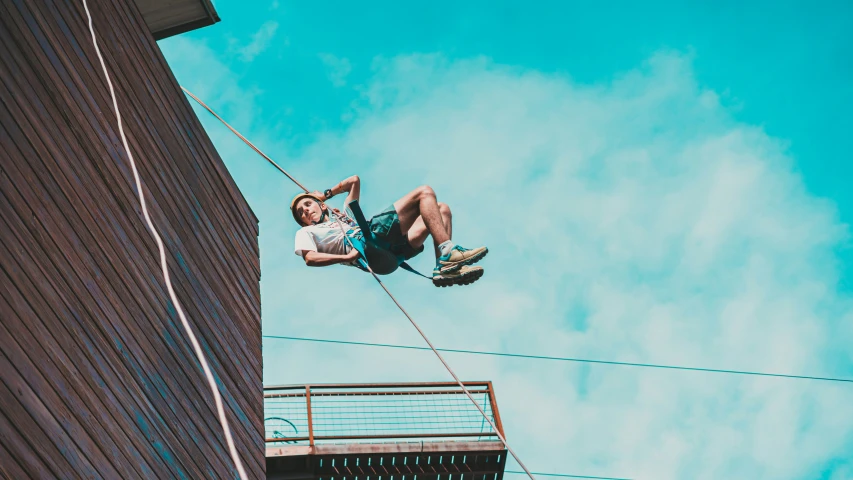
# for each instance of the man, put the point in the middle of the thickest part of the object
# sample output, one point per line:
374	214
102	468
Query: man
404	227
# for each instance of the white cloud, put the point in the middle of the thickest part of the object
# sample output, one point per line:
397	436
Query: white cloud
337	68
260	41
633	220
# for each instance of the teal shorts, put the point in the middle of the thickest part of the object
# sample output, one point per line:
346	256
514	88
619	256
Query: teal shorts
386	227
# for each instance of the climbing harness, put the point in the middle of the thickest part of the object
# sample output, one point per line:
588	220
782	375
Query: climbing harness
357	213
217	397
375	252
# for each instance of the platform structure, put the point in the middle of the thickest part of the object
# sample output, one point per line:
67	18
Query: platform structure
391	431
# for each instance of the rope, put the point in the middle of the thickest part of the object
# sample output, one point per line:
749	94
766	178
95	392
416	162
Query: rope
411	320
246	141
196	347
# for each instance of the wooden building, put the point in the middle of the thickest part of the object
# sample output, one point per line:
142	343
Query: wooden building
97	377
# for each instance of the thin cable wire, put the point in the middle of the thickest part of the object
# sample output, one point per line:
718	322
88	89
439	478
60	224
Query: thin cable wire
411	320
198	351
566	475
569	359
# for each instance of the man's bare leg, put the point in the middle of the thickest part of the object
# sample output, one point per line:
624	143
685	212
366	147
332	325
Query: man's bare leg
420	214
422	204
418	232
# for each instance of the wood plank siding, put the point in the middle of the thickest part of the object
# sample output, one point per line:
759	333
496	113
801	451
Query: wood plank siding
97	377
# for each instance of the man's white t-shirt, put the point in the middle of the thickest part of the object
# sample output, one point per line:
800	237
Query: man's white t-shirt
325	237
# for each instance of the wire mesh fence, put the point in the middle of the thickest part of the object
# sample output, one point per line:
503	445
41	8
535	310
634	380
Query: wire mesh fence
334	413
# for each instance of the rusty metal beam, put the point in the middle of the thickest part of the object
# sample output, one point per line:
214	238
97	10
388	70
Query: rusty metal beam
377	385
374	393
392	447
495	411
310	419
402	436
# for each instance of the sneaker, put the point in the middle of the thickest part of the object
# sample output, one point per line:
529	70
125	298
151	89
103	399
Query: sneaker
464	275
459	257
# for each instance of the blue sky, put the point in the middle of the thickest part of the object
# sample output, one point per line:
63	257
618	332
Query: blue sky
664	182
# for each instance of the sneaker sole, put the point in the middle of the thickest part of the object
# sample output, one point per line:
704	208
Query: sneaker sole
468	262
466	279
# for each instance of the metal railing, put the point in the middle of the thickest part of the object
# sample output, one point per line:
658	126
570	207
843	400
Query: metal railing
310	414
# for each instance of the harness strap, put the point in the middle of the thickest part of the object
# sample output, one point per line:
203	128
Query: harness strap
358	216
357	242
360	244
405	266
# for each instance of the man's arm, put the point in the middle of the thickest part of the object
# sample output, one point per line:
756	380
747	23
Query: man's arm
351	185
317	259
